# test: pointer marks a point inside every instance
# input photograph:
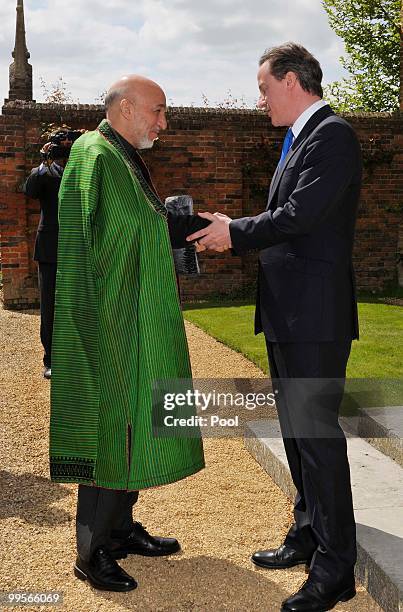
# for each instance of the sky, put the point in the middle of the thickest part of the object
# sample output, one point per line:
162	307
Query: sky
192	48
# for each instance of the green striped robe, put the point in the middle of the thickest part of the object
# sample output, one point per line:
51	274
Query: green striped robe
118	326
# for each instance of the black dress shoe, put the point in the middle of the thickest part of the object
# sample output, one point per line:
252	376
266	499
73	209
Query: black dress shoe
280	558
140	542
317	597
103	573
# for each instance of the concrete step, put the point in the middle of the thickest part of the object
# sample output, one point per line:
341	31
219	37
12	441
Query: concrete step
383	428
377	485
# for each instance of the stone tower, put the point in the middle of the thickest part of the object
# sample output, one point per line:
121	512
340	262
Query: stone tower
20	69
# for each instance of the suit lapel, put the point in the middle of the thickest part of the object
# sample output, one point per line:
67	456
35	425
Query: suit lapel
310	125
273	182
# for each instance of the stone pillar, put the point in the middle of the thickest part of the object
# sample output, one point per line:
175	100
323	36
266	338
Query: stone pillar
20	69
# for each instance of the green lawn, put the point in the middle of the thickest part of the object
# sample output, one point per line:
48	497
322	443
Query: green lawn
378	353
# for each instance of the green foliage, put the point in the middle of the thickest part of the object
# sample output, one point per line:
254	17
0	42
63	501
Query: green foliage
371	33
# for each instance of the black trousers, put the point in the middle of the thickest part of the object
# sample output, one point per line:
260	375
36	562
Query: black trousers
47	286
104	516
310	380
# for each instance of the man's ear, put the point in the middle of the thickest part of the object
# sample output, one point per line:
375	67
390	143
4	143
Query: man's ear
126	107
291	79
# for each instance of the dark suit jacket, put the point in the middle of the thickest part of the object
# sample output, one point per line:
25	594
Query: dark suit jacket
45	188
306	287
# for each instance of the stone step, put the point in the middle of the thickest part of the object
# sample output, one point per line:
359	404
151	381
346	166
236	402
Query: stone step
383	428
377	485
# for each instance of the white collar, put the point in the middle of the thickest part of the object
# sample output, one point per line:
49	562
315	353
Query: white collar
306	115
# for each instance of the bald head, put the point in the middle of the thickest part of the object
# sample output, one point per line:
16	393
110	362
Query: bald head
128	86
135	107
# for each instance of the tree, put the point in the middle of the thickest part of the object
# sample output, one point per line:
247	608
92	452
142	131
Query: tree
372	37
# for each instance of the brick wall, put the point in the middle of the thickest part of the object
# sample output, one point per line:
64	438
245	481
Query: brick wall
224	159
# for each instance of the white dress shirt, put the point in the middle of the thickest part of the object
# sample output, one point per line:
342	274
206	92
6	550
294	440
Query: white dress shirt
306	115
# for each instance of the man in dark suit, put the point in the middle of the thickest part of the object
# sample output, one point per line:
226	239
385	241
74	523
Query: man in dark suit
307	309
43	184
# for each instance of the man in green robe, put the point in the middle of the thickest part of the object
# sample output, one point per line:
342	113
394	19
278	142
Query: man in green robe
118	328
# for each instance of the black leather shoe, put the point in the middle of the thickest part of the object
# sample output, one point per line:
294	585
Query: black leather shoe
280	558
102	572
47	373
140	542
317	597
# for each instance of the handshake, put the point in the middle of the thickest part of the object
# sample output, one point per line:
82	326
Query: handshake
215	236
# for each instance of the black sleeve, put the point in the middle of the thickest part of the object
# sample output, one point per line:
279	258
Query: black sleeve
330	161
33	185
181	226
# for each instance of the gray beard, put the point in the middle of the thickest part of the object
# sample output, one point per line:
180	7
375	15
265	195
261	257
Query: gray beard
146	144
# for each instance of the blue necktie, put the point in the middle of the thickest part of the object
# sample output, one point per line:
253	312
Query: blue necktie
288	140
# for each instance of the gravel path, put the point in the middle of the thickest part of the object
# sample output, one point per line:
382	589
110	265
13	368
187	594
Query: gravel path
220	515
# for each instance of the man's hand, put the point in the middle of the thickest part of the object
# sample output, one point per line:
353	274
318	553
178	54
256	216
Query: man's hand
46	147
215	236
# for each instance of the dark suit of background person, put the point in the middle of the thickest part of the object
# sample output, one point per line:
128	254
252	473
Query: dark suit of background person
307	309
43	184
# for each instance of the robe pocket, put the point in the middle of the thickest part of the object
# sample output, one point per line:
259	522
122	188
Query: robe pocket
306	265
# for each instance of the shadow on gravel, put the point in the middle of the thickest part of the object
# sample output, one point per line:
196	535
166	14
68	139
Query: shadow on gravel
29	497
199	583
206	583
